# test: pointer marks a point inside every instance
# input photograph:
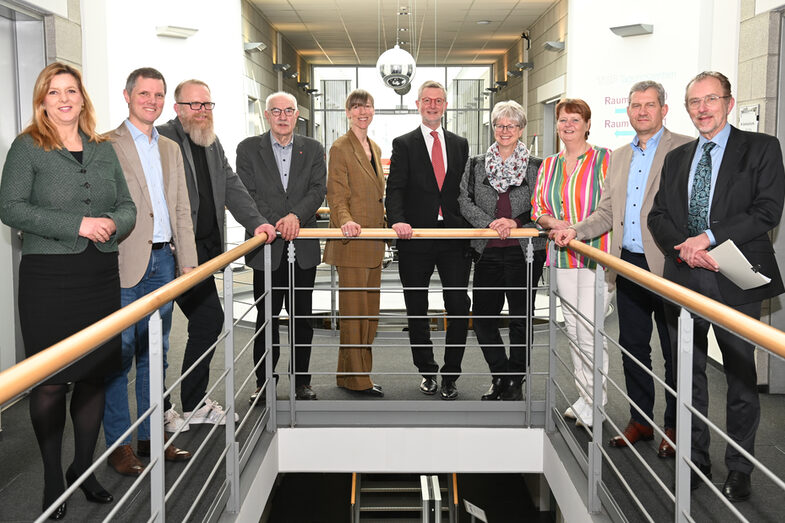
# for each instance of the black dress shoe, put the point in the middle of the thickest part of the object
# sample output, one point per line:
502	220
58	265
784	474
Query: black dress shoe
737	486
97	494
494	392
304	392
513	390
255	395
695	480
449	390
375	391
429	386
59	512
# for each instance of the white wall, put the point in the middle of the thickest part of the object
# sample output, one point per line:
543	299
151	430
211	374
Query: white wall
119	37
689	37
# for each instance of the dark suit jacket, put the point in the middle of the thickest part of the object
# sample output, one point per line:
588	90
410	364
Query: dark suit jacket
747	204
305	192
228	190
413	195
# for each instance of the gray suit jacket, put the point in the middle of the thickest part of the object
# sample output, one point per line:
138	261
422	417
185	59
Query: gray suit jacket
610	211
305	192
136	247
228	190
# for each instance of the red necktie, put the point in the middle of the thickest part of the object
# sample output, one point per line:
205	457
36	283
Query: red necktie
437	159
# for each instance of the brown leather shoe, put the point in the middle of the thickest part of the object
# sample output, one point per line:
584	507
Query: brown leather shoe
171	453
666	450
124	461
633	432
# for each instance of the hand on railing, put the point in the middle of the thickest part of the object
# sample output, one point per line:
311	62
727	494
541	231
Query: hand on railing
562	237
267	229
351	229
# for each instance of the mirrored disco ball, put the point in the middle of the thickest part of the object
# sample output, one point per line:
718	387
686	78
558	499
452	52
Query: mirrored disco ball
396	67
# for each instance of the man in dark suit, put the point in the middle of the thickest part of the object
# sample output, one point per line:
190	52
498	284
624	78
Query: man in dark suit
422	191
632	181
286	176
727	185
212	187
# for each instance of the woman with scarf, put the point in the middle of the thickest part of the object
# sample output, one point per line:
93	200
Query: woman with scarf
496	192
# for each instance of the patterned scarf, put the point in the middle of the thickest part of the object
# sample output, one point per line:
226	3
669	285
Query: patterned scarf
505	173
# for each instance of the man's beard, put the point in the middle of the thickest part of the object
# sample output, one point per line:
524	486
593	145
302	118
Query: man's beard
200	132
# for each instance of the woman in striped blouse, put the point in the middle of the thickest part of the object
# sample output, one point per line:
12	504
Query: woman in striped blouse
568	190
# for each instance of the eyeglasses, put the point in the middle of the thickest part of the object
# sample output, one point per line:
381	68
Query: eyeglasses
195	106
710	100
505	128
429	101
275	111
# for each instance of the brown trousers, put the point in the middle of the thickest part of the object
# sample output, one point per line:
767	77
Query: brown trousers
357	334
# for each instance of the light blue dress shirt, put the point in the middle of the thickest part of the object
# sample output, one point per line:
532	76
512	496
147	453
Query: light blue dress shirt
640	165
721	139
154	176
283	158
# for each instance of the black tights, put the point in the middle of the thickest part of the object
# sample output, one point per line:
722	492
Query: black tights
47	412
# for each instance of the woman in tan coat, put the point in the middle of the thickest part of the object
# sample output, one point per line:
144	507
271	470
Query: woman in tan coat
355	193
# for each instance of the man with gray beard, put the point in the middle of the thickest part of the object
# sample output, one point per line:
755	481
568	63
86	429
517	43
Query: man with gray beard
212	186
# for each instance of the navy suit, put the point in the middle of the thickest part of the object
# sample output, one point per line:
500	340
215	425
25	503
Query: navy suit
413	197
747	204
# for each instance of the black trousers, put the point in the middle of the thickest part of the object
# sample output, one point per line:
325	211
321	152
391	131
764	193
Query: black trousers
497	268
205	314
452	260
303	329
742	410
636	307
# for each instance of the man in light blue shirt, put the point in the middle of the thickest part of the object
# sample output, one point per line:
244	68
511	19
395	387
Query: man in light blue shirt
160	245
632	181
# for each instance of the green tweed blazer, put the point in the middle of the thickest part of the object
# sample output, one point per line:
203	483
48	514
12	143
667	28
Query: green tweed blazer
46	194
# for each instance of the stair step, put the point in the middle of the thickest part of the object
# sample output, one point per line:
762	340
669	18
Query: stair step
369	485
390	503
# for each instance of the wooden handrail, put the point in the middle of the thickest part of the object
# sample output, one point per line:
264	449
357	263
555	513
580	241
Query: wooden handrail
33	370
732	320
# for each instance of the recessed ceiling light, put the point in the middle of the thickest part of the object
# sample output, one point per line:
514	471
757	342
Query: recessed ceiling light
403	29
483	22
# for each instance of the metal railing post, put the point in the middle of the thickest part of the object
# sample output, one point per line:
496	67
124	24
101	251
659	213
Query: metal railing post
156	355
550	389
529	329
595	453
271	388
437	499
333	299
233	453
292	342
683	416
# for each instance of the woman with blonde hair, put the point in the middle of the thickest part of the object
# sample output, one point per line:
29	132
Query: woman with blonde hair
63	187
355	192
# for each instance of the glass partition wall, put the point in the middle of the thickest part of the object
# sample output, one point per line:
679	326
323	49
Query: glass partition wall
468	104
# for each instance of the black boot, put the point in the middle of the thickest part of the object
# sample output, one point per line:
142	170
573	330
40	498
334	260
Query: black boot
495	391
513	389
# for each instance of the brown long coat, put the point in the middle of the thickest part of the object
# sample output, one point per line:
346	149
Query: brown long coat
355	192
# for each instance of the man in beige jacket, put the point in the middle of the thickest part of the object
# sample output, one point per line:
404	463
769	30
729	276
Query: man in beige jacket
160	245
632	181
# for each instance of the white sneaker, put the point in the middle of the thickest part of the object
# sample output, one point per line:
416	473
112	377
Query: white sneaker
173	421
586	416
573	410
211	412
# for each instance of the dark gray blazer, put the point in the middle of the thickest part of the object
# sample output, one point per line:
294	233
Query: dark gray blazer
304	195
228	191
478	198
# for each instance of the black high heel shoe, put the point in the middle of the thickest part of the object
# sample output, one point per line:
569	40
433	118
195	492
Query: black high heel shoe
59	512
96	496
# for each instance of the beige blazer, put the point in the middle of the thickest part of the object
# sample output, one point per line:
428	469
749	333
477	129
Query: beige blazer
136	247
610	211
355	192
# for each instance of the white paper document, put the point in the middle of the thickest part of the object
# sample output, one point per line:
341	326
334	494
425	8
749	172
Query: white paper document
735	266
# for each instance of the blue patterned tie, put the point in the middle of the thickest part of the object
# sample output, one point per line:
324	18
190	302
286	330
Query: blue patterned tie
698	219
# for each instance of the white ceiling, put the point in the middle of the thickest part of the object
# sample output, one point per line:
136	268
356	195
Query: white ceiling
356	31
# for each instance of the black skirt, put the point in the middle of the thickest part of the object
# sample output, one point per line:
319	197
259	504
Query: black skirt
59	295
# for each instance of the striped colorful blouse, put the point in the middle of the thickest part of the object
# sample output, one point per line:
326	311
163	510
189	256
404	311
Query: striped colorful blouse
572	197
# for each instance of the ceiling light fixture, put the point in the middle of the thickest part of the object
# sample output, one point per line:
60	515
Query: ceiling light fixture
483	22
633	30
174	31
525	66
514	73
279	68
396	66
554	45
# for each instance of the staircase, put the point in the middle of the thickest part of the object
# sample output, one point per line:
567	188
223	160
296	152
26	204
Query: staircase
398	498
